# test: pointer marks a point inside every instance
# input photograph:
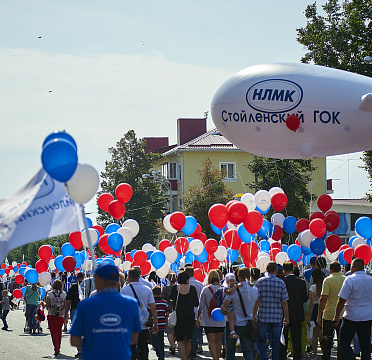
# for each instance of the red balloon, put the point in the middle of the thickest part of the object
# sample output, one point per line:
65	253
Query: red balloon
128	257
297	242
276	245
273	253
69	263
332	220
196	264
41	266
99	228
75	240
165	243
222	242
199	275
201	236
238	212
197	230
3	266
218	215
23	263
279	201
364	252
7	271
324	202
181	245
124	192
318	227
232	239
333	243
19	279
253	222
215	264
316	215
45	252
278	233
229	203
343	247
292	122
104	200
348	255
211	246
116	209
302	224
103	245
140	257
145	267
177	220
17	293
249	251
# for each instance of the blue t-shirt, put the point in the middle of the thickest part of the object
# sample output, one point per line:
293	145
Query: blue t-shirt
106	322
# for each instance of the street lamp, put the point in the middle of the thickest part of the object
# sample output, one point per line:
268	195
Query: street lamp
163	181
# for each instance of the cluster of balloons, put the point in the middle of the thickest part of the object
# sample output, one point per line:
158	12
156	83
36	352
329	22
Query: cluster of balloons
60	161
116	207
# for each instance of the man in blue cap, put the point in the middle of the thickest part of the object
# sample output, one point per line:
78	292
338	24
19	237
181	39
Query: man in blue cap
307	273
105	325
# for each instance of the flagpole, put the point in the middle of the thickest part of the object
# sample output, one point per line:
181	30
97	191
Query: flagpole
88	237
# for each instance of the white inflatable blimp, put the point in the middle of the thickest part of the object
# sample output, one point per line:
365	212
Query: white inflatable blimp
294	111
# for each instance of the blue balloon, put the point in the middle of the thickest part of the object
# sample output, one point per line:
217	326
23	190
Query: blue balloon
267	230
232	255
21	270
82	257
244	235
60	135
351	240
175	266
369	242
157	259
261	211
216	230
217	315
317	246
23	291
179	256
78	259
98	236
294	252
51	248
111	228
89	222
115	241
15	268
284	247
190	257
306	258
2	272
85	254
42	293
58	263
305	250
67	249
202	258
341	259
189	239
289	224
264	245
149	253
132	253
363	227
32	276
59	159
190	225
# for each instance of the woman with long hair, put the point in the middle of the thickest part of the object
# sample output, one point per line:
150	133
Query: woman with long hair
55	303
314	295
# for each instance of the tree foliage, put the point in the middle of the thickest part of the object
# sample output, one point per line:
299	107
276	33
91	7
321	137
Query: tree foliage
199	198
293	176
341	39
127	165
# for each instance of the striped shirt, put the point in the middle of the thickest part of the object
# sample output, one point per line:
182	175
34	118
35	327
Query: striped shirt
162	308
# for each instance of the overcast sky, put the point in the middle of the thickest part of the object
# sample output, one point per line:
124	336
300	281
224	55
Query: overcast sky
100	68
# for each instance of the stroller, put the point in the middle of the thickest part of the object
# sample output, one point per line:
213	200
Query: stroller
40	316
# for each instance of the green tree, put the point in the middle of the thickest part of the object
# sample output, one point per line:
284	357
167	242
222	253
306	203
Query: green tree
293	176
341	39
199	198
127	165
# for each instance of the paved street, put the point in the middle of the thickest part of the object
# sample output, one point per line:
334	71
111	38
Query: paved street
15	344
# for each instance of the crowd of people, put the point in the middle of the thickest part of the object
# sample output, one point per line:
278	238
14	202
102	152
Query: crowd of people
271	315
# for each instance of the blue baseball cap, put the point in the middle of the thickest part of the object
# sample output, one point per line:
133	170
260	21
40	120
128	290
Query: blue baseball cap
107	270
312	260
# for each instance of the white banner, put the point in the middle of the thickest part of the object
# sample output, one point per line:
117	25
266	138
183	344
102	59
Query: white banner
41	209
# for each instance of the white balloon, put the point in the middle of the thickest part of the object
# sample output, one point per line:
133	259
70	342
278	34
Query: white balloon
171	254
281	257
11	273
358	241
196	246
14	263
163	271
262	199
331	256
147	247
126	265
117	261
87	265
262	263
44	278
127	235
278	219
84	183
306	149
306	237
263	253
248	200
51	264
275	190
132	225
220	253
93	237
231	226
167	225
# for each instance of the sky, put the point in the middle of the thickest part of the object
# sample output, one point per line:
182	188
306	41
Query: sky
100	68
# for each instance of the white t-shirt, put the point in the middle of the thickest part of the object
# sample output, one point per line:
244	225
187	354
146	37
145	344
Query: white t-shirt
313	289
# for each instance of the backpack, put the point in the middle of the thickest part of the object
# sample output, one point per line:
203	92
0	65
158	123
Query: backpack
57	305
216	301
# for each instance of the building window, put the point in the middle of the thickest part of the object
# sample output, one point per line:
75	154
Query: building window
172	170
229	170
179	172
164	170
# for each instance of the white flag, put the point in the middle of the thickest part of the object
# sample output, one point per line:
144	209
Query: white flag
40	210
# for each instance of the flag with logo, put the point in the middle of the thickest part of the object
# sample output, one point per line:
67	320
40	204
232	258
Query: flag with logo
41	209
